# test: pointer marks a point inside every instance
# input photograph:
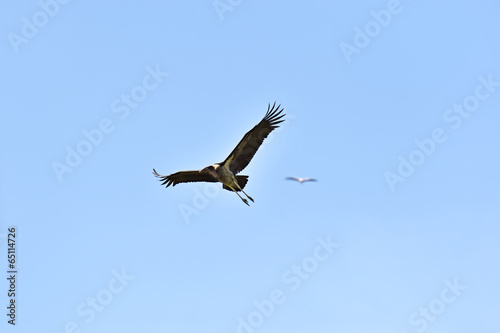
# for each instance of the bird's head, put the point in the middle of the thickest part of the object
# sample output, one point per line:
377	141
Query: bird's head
211	169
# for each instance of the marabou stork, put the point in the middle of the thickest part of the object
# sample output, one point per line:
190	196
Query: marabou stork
226	171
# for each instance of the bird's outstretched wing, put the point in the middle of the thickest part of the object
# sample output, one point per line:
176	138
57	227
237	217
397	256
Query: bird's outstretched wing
292	178
184	177
247	147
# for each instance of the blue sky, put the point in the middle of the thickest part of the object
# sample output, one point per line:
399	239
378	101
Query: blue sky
392	105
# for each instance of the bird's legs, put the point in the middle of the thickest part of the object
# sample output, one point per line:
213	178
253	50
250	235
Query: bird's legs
244	200
249	197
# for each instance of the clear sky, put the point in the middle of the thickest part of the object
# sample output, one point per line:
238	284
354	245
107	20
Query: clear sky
394	106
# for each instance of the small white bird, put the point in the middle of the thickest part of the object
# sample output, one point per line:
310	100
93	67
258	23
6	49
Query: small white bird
301	180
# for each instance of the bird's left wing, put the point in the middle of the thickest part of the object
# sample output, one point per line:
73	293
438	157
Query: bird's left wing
292	178
184	177
248	146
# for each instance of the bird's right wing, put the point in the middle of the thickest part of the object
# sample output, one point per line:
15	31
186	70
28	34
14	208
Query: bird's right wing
292	178
243	153
184	177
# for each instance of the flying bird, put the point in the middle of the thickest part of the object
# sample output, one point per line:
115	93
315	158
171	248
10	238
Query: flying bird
226	171
301	180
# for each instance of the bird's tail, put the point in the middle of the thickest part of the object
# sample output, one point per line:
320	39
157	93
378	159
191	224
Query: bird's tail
242	181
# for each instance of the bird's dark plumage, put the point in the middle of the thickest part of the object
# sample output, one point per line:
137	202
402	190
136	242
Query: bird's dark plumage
184	177
247	147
